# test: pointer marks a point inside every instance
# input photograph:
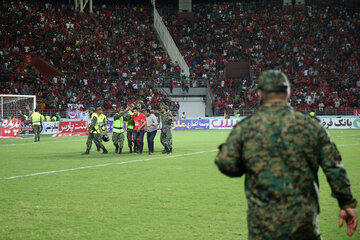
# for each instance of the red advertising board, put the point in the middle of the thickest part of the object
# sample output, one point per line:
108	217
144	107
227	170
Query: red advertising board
10	128
26	128
73	126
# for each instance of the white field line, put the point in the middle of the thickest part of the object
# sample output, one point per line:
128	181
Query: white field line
104	165
340	136
343	145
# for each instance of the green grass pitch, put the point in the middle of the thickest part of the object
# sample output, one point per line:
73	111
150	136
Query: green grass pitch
48	190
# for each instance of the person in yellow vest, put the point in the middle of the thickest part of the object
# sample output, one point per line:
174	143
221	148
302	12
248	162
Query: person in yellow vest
26	118
12	117
238	115
36	121
42	118
54	119
129	125
102	124
47	118
94	133
118	130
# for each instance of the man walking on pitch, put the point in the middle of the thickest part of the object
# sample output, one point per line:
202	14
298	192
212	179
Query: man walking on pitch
166	134
118	130
129	125
151	129
139	130
94	133
36	122
102	125
280	151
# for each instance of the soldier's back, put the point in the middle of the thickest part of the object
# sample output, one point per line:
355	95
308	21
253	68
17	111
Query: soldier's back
279	154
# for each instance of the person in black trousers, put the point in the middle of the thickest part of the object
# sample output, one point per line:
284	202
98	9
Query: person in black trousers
151	129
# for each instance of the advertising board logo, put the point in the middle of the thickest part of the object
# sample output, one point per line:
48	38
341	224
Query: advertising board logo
356	123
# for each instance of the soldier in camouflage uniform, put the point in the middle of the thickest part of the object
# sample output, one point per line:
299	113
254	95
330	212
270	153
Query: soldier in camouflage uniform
94	133
280	151
36	122
166	134
129	125
101	119
118	130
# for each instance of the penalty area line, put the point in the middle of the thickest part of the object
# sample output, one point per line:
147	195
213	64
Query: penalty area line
104	165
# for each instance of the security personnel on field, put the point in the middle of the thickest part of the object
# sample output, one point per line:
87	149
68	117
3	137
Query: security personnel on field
280	151
94	133
102	120
166	135
26	118
102	124
54	118
42	118
130	125
166	121
36	121
118	130
48	119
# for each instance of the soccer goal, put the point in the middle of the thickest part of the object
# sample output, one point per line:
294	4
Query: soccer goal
15	106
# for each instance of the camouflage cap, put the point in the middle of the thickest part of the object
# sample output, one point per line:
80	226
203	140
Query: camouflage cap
98	109
91	109
273	81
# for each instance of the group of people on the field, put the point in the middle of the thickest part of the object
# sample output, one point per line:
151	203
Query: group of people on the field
137	122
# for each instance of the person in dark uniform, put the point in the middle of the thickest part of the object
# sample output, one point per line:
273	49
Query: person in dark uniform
118	130
129	125
280	151
94	133
36	120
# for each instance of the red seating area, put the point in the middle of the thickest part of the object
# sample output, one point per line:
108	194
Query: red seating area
101	56
317	48
98	54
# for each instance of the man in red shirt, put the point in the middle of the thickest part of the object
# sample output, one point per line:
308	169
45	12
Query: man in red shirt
139	130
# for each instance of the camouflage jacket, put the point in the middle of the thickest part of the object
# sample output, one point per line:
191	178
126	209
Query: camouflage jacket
93	123
166	119
280	151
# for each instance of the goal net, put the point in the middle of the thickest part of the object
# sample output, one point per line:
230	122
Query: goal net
15	106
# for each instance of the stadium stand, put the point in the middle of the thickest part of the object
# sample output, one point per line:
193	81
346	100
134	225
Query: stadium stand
115	57
99	56
317	48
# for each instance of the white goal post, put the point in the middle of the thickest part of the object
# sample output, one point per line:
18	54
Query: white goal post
16	105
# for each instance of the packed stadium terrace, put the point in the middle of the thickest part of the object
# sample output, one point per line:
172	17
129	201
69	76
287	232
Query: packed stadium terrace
318	49
92	52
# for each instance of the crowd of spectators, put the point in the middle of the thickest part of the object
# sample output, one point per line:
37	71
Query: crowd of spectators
317	47
310	94
102	55
99	55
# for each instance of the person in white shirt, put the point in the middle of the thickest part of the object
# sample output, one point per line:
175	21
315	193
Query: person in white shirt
183	116
151	129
